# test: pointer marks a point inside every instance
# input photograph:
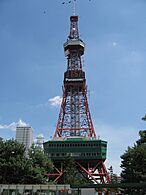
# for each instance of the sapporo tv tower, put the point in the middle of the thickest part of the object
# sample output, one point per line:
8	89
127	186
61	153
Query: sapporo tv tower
75	135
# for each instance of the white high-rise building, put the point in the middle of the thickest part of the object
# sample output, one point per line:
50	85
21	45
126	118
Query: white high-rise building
24	134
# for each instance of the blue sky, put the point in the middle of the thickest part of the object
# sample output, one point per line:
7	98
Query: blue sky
32	64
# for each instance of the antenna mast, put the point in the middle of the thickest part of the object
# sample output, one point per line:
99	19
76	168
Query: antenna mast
74	7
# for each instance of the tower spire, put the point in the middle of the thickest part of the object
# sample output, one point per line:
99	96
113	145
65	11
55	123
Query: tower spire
74	7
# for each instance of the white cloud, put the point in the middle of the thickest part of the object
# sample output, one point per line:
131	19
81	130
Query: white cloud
12	126
21	123
55	101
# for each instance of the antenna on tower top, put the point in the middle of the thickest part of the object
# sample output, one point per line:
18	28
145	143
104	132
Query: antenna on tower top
74	4
74	7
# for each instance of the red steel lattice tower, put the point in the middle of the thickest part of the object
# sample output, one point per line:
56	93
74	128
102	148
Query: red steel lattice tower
75	135
74	118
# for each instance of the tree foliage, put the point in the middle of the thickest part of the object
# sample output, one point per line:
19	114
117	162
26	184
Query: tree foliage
71	175
134	162
17	168
39	165
113	176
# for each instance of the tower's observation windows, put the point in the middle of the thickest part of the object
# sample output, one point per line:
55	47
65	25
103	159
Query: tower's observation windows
74	44
84	145
78	149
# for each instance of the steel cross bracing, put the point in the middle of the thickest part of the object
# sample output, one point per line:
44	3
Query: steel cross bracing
74	118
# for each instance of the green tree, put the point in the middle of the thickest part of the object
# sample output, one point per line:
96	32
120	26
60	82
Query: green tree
71	175
113	176
134	163
17	168
12	161
39	165
142	139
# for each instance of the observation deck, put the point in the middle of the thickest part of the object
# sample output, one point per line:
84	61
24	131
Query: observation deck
77	147
74	44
